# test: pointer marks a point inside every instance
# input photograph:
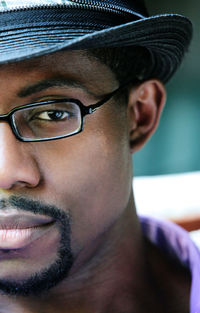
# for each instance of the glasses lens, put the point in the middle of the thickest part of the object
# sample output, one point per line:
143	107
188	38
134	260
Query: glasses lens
48	120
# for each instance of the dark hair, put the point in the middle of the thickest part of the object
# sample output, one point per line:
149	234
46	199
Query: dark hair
126	62
129	64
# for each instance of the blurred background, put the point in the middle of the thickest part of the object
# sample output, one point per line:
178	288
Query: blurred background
175	146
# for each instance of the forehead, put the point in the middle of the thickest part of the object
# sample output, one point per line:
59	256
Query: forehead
75	65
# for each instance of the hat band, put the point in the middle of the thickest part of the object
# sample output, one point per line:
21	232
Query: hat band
11	5
46	16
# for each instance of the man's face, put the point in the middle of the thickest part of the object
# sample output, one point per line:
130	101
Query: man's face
77	186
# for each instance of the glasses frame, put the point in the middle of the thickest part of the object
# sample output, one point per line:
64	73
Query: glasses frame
84	110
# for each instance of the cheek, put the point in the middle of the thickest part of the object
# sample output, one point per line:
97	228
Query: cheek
89	174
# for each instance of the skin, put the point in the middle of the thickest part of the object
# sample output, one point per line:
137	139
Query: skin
90	176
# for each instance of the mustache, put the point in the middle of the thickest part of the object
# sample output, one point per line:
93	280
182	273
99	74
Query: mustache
34	206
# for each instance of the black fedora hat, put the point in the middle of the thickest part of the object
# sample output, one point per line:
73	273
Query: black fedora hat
31	28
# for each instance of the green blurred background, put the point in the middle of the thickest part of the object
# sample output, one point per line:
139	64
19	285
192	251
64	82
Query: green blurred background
175	146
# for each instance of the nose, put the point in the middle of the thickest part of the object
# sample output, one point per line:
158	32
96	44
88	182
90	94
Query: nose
18	167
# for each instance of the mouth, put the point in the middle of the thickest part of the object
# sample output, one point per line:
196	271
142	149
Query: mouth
18	230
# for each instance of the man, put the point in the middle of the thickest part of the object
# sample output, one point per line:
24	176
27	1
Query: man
81	90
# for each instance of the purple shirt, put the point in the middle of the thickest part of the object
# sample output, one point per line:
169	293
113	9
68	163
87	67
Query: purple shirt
173	240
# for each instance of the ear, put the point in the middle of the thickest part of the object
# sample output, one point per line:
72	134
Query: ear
145	105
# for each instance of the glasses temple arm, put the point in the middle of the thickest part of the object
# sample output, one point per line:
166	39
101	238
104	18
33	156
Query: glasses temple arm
92	108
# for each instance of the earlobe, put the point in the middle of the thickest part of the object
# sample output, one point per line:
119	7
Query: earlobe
145	106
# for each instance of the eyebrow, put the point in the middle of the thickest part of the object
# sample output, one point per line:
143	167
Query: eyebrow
49	83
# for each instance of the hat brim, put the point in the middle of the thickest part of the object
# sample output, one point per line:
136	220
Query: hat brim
166	37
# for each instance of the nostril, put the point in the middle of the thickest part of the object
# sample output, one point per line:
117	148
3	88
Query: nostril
23	184
27	175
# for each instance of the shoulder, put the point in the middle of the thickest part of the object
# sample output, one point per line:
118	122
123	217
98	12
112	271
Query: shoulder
172	262
169	279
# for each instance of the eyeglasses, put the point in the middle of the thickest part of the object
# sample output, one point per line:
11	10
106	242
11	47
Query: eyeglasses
50	120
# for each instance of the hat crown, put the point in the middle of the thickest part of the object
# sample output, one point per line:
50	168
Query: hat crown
136	6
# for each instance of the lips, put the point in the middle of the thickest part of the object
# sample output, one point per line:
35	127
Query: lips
18	230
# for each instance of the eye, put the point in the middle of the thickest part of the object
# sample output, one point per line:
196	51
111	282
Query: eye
53	115
53	119
53	112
